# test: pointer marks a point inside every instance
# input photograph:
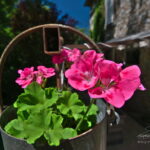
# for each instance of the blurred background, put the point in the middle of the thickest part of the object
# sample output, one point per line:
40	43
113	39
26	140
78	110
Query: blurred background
121	28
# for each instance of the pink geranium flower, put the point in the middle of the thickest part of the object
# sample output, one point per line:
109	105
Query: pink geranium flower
72	55
66	55
43	72
26	77
116	85
59	58
82	74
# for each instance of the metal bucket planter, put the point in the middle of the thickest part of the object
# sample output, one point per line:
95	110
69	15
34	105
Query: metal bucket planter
93	139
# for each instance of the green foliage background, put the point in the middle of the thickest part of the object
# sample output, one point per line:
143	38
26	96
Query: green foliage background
97	33
19	15
15	17
7	8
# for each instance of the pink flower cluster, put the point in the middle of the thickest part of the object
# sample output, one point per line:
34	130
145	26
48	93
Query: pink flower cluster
28	75
90	71
66	55
104	78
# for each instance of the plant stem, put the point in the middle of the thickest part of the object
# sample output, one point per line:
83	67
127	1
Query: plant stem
44	83
80	122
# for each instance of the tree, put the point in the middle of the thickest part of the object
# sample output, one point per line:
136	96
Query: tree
6	10
97	32
34	12
28	52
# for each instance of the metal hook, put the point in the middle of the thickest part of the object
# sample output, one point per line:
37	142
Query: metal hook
114	116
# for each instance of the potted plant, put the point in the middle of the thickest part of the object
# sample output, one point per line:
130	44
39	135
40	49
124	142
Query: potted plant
56	117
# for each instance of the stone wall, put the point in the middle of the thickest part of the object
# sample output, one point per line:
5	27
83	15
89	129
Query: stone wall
130	17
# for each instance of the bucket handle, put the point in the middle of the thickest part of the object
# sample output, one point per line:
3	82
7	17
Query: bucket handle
27	32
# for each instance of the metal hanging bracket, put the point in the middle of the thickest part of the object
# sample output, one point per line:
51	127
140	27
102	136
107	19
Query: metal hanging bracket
52	40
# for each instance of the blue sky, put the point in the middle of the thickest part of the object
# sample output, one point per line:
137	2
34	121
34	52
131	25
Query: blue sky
76	9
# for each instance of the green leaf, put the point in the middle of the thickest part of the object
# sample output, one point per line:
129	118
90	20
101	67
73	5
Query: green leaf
36	125
51	92
52	95
32	128
23	115
56	121
78	111
69	133
25	100
89	119
15	128
70	104
85	125
77	116
35	90
93	110
33	95
33	133
54	134
41	119
35	98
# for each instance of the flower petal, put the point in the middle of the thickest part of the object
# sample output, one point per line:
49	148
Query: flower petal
45	72
58	59
141	87
82	74
77	79
128	87
115	97
96	92
131	72
26	77
72	55
108	71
